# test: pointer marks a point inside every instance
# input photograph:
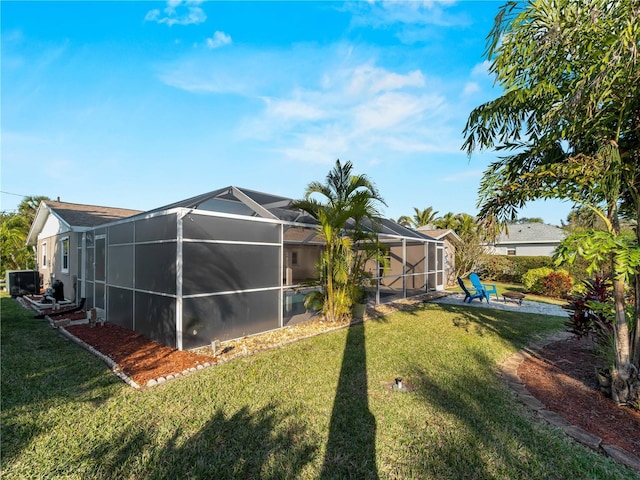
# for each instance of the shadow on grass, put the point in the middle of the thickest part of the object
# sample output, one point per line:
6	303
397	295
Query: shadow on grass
264	444
351	446
488	436
39	369
514	327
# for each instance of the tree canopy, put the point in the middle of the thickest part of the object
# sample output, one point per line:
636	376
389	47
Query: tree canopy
571	104
568	123
14	228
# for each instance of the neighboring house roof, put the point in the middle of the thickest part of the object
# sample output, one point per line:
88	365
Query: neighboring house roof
531	233
75	216
440	233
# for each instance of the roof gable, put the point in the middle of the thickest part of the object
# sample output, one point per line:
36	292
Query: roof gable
440	233
79	215
75	216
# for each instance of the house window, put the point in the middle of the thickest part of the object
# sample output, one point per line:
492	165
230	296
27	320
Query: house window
44	254
65	254
511	251
294	258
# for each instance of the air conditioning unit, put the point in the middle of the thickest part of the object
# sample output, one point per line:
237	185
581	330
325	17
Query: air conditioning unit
23	282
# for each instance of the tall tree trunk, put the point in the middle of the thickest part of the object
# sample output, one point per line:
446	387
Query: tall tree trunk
635	342
625	388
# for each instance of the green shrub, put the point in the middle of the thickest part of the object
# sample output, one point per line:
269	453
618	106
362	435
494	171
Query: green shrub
523	264
557	284
532	280
496	267
508	268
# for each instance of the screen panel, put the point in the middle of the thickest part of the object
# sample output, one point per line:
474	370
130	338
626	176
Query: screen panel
155	317
225	317
89	265
416	261
100	259
88	293
98	300
431	256
122	233
416	284
431	281
79	264
163	227
201	227
210	267
391	291
120	310
395	260
293	309
156	267
120	265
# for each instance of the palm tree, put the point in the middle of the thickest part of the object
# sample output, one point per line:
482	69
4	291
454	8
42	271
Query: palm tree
447	221
419	219
345	207
13	235
423	217
405	221
29	205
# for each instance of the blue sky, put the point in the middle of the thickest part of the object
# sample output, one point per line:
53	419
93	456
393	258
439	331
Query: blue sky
140	104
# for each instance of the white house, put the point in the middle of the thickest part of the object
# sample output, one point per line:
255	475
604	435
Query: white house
527	239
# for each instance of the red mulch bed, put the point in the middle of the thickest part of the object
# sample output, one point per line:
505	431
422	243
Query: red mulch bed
563	378
139	358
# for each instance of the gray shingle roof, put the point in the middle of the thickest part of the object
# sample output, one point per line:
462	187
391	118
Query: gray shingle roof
531	233
78	215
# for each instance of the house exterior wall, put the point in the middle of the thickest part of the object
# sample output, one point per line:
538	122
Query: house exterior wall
524	249
54	263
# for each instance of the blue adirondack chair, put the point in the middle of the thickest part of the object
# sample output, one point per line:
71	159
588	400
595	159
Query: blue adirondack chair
483	289
468	294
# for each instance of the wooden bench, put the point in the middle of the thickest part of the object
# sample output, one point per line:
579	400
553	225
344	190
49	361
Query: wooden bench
514	296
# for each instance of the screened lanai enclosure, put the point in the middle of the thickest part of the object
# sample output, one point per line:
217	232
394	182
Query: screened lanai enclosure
230	263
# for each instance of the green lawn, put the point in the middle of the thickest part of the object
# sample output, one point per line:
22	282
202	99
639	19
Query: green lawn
318	408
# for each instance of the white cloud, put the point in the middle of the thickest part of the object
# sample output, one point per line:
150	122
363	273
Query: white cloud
389	110
178	12
370	79
293	109
322	104
219	39
470	88
360	108
464	175
390	12
481	69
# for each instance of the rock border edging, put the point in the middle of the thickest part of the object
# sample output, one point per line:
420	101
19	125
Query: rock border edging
509	372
